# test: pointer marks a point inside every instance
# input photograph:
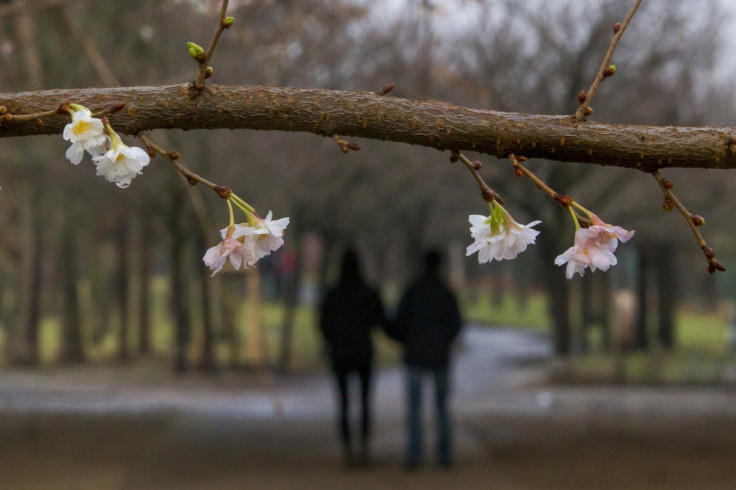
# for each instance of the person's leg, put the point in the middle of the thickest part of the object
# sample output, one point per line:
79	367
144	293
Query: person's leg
364	372
341	376
414	417
444	429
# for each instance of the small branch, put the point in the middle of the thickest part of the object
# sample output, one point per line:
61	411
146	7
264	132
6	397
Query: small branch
693	221
486	192
586	98
205	60
563	200
173	159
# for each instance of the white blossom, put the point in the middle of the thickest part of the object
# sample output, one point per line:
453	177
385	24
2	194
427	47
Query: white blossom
593	247
238	252
121	163
498	236
266	234
86	133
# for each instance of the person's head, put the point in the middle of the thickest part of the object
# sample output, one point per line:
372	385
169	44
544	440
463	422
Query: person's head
350	270
432	261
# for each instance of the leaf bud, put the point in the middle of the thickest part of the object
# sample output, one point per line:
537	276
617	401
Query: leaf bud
354	146
519	172
487	195
521	159
711	268
151	152
698	220
227	22
608	72
667	205
208	72
117	106
388	88
174	155
588	111
38	122
721	267
582	96
616	27
344	149
194	49
668	184
191	180
709	253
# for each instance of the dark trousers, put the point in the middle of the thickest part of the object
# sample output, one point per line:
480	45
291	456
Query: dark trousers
342	375
440	377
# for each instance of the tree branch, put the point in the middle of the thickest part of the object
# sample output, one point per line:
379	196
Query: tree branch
368	115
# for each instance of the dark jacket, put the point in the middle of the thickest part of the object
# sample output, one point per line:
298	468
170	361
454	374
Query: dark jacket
349	312
427	321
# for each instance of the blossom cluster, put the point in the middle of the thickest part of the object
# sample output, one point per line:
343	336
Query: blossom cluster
116	161
499	237
247	243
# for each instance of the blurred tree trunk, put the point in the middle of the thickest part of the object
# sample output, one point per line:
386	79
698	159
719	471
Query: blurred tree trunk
667	295
605	305
291	301
144	303
587	307
641	338
26	347
71	339
123	289
179	304
207	362
558	289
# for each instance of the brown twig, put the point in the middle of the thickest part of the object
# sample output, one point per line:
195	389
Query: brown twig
488	194
585	98
174	159
693	221
204	60
564	200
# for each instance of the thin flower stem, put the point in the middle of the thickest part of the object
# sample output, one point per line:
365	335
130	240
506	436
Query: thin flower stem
240	206
565	201
176	163
582	106
230	208
199	81
488	194
714	263
243	204
7	117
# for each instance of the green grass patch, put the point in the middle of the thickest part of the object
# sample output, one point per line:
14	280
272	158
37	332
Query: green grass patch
508	312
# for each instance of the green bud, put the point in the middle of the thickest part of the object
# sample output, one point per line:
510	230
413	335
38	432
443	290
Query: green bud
194	49
208	72
227	22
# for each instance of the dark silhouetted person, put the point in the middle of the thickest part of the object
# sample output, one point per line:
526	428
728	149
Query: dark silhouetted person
350	311
427	321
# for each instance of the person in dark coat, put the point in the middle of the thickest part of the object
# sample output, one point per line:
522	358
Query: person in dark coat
349	313
427	322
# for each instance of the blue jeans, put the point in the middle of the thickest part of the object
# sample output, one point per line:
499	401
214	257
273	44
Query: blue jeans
440	377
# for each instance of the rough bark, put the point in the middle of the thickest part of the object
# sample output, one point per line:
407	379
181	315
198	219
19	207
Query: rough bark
364	114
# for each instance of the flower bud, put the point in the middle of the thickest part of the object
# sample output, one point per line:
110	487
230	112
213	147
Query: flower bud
388	88
353	146
344	149
191	181
477	165
709	253
711	268
194	49
174	155
38	122
616	27
698	220
609	71
582	96
521	159
487	195
588	111
208	72
151	152
668	184
227	22
668	205
519	172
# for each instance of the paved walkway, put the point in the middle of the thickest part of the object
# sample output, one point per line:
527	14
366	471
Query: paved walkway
63	429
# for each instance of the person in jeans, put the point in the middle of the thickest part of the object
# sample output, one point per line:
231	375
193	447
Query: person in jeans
427	321
349	312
